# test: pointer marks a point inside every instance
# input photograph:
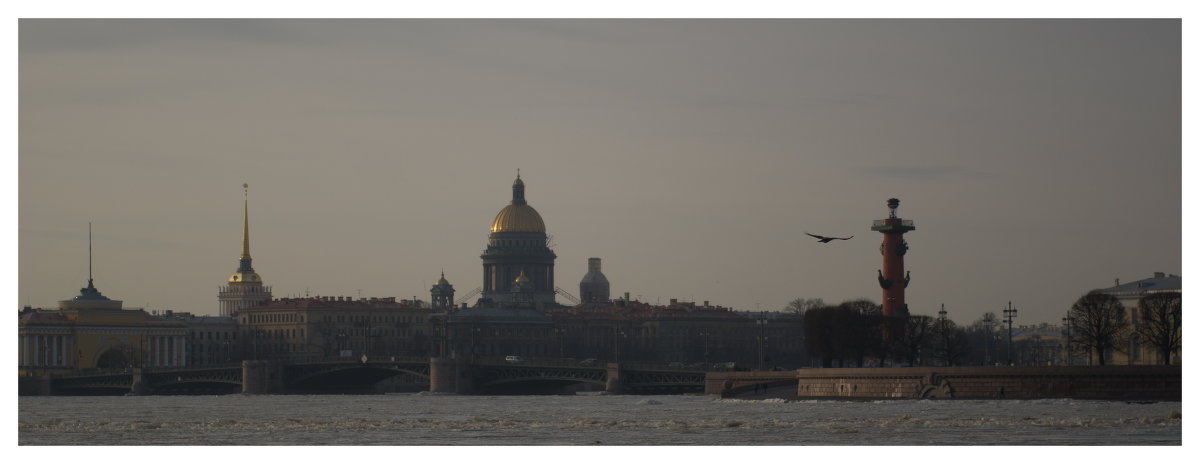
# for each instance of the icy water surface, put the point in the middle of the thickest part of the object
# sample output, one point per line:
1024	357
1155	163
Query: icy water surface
432	419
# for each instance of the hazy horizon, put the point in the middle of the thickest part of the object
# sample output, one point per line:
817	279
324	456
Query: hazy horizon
1040	159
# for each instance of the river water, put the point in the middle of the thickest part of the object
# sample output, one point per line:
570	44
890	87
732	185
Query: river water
437	419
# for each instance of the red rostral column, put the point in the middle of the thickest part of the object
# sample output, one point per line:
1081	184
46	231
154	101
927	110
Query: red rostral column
892	277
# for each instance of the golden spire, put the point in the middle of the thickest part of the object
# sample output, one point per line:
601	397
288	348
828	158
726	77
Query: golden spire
246	224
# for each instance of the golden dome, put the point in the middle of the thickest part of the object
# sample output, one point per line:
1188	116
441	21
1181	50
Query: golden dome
245	276
521	279
518	218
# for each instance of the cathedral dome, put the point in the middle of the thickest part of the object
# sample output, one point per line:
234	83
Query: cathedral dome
518	218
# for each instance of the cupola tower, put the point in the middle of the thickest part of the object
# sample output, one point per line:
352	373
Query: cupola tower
245	288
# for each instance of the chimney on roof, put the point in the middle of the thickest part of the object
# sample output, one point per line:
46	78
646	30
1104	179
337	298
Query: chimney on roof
1116	282
626	296
673	301
1159	275
705	303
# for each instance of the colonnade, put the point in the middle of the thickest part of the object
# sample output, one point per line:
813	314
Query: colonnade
46	350
58	351
166	351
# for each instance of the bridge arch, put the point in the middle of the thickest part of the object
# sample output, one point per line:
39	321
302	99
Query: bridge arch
113	358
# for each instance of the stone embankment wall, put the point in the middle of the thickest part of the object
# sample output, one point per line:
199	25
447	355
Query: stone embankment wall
1084	382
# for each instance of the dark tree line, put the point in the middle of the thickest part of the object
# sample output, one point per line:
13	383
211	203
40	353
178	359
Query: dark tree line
856	332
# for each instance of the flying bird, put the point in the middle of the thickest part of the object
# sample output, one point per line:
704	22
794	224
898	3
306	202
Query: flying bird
827	239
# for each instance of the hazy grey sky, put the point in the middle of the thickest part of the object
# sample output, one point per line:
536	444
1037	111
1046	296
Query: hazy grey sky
1040	159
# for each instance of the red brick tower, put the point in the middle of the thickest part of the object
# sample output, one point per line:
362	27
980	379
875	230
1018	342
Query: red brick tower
892	277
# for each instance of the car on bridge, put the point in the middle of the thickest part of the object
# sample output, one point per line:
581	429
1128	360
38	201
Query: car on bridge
514	359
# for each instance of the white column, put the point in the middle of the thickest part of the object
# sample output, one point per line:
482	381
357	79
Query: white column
54	357
24	350
158	357
184	353
153	351
37	350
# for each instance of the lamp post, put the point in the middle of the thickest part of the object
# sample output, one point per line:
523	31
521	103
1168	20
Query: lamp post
1067	349
762	324
942	333
988	320
1009	314
561	332
618	334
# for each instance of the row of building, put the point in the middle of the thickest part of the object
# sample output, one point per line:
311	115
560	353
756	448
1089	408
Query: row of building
517	313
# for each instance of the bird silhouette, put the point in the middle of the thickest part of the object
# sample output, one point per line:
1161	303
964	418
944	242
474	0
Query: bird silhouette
827	239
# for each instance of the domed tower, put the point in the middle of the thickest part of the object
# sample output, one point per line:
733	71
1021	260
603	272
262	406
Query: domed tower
89	297
517	245
522	289
442	294
245	287
594	286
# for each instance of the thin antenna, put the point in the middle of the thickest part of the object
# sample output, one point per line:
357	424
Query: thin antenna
89	252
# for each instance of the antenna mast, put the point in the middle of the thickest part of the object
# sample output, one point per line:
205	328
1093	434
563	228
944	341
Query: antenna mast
89	253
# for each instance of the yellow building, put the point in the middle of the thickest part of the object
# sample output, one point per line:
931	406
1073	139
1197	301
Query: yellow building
91	331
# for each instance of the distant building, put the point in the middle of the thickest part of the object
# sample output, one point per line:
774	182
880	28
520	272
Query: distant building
518	245
91	331
593	288
1128	294
210	339
245	287
297	329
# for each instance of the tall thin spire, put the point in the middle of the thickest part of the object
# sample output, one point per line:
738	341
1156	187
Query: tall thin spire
89	253
246	223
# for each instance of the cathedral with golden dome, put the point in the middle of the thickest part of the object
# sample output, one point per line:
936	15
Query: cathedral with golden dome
517	249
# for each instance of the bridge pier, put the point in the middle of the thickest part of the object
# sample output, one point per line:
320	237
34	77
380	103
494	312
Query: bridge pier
138	386
35	385
613	382
451	375
262	377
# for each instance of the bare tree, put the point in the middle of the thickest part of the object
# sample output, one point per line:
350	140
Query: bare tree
801	305
1100	324
913	340
950	343
1162	323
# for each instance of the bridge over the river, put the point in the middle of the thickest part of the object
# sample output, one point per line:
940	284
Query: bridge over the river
344	376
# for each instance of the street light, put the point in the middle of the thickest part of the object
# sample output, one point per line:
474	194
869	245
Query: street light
988	319
762	324
945	337
1009	314
1067	351
618	334
560	331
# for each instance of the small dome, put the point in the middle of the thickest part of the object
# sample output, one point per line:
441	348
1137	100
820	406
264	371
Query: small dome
518	218
521	279
243	276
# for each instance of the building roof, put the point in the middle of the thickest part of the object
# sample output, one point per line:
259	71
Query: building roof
329	302
639	310
1160	282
